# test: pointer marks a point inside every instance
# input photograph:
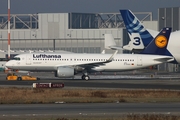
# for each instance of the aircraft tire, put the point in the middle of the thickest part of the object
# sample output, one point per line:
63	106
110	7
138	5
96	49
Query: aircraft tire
86	77
19	79
83	77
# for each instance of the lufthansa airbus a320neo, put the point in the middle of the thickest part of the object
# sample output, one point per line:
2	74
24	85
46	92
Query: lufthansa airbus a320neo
69	64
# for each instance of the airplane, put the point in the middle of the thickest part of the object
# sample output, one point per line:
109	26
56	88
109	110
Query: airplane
67	65
2	65
140	37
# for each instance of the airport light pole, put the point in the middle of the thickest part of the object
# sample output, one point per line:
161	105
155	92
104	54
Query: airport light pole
8	29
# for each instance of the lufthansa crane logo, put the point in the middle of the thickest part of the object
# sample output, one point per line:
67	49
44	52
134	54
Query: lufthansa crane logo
161	41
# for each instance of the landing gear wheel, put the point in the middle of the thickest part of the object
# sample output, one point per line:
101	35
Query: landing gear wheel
19	79
85	77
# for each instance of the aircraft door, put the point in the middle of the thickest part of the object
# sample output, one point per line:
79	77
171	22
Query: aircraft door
139	61
28	59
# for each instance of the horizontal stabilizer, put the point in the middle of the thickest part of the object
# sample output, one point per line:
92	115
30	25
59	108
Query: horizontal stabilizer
167	59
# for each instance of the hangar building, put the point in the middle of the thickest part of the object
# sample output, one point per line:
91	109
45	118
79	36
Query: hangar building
74	32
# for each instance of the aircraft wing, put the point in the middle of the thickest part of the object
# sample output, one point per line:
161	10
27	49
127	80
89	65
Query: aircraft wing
91	64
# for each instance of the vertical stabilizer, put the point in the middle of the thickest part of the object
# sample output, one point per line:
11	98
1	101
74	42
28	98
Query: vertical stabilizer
159	44
109	41
133	25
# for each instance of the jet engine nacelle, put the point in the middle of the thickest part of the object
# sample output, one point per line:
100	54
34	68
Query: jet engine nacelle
64	72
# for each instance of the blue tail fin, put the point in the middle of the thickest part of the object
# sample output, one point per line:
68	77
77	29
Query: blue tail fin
133	25
159	44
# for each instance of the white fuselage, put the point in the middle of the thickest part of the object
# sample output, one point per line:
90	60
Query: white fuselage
45	61
174	45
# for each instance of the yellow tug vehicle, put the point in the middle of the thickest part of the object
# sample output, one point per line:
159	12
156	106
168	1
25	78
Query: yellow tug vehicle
13	76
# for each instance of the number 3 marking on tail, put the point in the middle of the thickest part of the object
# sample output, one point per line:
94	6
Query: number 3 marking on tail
137	41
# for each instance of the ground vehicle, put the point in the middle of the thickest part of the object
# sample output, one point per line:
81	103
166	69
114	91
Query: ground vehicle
13	76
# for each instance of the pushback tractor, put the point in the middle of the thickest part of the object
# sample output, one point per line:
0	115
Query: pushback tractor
14	77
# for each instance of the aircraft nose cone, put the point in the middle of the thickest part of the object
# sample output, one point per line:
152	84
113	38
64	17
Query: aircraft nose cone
8	65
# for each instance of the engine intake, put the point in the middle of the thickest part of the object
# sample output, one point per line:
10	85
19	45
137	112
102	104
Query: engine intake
64	72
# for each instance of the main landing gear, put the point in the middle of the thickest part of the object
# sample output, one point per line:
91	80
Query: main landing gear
85	77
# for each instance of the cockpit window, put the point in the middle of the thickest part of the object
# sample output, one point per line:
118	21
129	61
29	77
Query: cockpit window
16	58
